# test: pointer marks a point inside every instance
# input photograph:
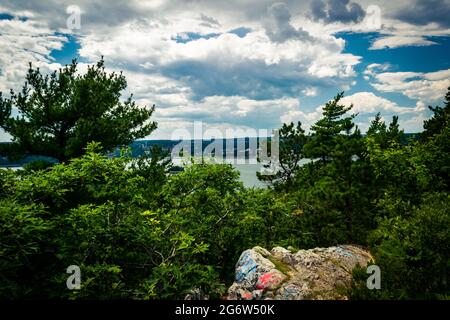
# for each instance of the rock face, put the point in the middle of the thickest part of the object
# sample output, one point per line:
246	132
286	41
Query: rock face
306	274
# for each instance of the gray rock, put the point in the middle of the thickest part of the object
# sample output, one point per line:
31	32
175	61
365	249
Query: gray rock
307	274
282	254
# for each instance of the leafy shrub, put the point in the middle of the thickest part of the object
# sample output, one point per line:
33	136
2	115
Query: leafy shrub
412	253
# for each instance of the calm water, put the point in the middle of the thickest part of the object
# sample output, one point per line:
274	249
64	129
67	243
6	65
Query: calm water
248	175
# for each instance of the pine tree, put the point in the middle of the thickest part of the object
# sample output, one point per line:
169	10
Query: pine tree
377	126
339	179
292	140
327	131
440	119
384	136
60	113
435	150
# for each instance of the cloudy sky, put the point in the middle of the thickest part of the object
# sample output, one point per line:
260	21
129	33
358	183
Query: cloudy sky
243	64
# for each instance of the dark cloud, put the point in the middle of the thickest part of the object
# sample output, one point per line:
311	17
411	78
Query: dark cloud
93	14
337	11
249	78
278	25
422	12
209	21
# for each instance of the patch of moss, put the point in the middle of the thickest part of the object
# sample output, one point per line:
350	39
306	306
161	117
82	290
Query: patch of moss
342	290
279	265
292	249
260	251
336	262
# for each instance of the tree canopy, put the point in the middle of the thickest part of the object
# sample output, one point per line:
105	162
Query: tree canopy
57	115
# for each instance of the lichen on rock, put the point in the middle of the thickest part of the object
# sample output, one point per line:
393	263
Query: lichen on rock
280	274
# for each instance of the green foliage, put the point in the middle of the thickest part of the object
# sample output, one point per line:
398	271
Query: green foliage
333	189
384	136
412	252
411	241
332	130
60	113
440	119
22	228
138	231
86	212
292	140
379	190
134	231
37	165
270	220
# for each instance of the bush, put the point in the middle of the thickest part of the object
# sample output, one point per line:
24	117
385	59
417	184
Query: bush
135	231
412	253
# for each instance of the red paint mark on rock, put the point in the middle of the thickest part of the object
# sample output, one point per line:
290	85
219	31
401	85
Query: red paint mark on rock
246	295
268	280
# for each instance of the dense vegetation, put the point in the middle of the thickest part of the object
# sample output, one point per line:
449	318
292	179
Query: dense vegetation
138	232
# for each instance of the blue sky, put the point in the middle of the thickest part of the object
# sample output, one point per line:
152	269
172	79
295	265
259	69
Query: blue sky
243	64
68	52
